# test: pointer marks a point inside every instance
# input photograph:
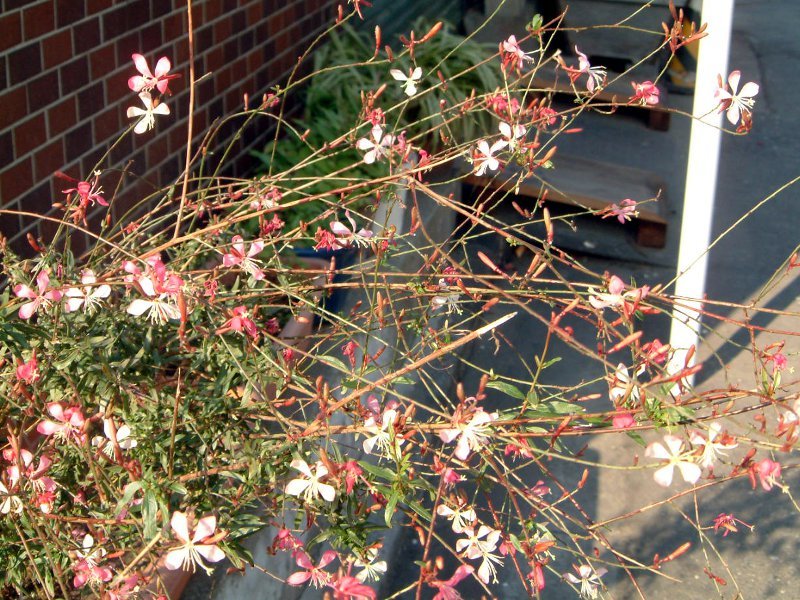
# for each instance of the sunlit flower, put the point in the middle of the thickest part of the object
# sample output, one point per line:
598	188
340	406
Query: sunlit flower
623	211
87	569
196	546
462	518
483	157
146	81
447	589
769	472
346	587
241	322
372	570
9	503
409	81
588	578
40	299
315	574
617	297
512	55
89	296
736	103
472	435
673	453
68	423
727	522
311	485
714	443
512	134
481	545
147	116
645	93
448	298
622	387
376	147
122	435
383	437
595	76
28	372
348	236
238	257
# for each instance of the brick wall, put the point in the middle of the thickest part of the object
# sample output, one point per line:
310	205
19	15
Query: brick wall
64	66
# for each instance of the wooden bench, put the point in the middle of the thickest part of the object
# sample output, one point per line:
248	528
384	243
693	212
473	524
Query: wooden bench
590	185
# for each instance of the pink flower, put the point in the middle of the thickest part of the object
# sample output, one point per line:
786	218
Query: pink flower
727	522
28	372
345	237
349	350
483	157
447	589
617	296
622	211
40	482
769	472
623	420
147	80
89	193
241	322
472	435
736	103
645	93
317	576
193	549
147	116
673	453
285	540
512	134
68	423
595	76
87	569
40	299
237	256
461	517
377	147
346	587
512	55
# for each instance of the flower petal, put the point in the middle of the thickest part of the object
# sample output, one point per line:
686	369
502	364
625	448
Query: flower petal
180	525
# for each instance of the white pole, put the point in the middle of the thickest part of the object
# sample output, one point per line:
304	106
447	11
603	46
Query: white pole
701	180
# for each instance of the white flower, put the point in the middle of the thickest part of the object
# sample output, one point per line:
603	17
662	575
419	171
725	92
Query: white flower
622	386
9	502
148	115
672	453
484	159
89	296
157	305
383	436
123	435
192	552
711	448
589	580
481	545
736	103
512	134
462	518
310	486
376	147
409	81
372	570
471	435
448	299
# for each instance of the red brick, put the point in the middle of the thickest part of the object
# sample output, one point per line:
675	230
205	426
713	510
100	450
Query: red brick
69	12
62	116
11	26
222	31
15	107
38	20
86	35
49	159
156	152
29	134
42	91
16	181
24	63
95	6
173	26
106	126
102	61
56	48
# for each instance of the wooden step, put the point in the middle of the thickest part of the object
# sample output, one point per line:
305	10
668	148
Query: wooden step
591	185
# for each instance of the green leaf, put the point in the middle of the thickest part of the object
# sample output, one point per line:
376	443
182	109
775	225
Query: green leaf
391	505
507	388
149	514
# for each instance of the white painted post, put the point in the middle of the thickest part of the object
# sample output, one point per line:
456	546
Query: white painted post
701	180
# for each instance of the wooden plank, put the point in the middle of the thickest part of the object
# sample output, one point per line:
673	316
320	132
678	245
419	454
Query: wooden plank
591	185
658	116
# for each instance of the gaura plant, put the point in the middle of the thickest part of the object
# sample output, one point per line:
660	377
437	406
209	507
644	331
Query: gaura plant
157	414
